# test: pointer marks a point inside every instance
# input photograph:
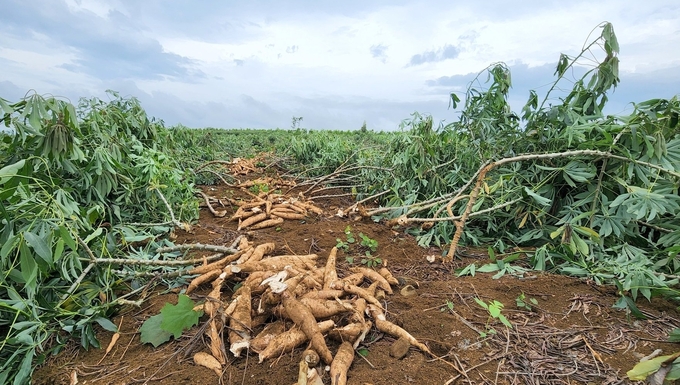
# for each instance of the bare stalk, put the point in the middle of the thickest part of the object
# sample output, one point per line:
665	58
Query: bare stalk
82	275
197	246
173	220
151	262
214	212
204	165
217	175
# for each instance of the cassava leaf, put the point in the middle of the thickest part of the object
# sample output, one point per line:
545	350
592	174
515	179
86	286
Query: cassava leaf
10	170
537	198
177	318
674	335
643	369
39	245
152	333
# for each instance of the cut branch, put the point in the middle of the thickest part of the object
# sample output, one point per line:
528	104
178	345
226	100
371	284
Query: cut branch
485	169
197	246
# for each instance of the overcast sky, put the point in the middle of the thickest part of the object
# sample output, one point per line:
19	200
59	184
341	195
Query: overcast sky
256	64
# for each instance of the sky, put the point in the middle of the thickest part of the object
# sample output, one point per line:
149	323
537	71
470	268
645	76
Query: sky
336	64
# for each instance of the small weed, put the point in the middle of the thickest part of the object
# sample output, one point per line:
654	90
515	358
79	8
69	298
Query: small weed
341	245
371	261
448	306
494	309
370	243
348	235
258	188
524	303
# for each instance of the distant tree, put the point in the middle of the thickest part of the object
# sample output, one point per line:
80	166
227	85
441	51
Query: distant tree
295	123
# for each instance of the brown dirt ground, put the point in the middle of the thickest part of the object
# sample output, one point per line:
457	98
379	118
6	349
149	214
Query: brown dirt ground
573	335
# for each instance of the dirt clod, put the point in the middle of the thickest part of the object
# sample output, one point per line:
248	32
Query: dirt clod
399	348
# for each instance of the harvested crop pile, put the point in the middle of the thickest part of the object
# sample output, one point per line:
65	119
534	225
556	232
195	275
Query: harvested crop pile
270	211
267	208
326	308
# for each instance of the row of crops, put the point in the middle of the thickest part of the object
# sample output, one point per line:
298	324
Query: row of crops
588	194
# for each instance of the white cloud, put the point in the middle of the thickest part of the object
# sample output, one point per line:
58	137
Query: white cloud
235	62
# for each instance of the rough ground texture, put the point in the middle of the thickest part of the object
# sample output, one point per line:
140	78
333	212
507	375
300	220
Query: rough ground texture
572	336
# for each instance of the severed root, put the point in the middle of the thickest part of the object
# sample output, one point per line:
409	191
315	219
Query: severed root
363	293
207	360
388	327
262	340
375	276
353	333
240	323
274	221
204	278
330	275
289	340
341	363
327	308
303	317
388	276
251	221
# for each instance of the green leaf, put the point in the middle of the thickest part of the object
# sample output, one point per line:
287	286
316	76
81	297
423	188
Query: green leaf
40	247
643	369
177	318
94	235
674	335
492	255
626	302
481	303
6	109
505	321
674	373
152	333
59	249
106	324
488	268
468	270
66	236
8	246
537	198
11	170
579	172
29	269
25	368
34	118
494	311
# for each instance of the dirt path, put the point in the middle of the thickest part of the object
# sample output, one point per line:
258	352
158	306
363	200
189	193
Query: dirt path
572	335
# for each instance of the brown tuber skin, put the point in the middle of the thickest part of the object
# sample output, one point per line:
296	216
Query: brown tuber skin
385	326
302	316
375	276
289	340
240	323
388	276
341	363
330	275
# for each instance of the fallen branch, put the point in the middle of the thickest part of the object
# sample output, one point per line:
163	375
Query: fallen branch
82	275
197	246
460	224
173	220
214	212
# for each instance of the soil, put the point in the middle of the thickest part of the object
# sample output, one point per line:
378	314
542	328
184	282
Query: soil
572	335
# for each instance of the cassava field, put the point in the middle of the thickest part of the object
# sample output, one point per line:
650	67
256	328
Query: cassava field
508	247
